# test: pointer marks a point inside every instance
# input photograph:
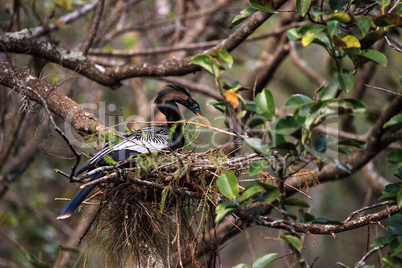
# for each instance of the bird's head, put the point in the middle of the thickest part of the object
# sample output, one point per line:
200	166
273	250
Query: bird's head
173	93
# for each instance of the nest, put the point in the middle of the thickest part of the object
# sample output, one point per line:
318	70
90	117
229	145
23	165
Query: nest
156	213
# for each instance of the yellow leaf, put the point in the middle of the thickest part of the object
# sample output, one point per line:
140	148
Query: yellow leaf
232	98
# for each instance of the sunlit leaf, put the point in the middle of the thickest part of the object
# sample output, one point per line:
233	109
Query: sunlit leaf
302	6
232	98
291	240
227	185
375	56
224	209
342	17
310	35
244	14
394	122
316	13
348	41
225	57
250	192
264	260
293	34
242	265
208	63
329	91
297	100
265	102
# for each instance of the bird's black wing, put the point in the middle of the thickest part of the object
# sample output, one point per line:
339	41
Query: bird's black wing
146	140
150	139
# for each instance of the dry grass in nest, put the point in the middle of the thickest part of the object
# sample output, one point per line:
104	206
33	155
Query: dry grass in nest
156	213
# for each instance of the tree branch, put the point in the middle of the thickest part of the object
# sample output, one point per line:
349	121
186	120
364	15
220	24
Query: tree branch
23	42
329	228
82	121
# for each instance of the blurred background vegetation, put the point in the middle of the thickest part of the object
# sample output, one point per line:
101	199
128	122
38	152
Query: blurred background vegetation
30	233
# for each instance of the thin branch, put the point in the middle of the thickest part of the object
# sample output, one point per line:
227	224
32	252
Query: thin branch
354	213
362	262
329	229
94	27
66	19
191	46
384	90
22	42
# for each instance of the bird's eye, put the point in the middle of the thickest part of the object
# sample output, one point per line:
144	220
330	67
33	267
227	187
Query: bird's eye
196	106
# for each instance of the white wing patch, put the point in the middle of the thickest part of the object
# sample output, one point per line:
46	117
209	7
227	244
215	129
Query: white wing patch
150	140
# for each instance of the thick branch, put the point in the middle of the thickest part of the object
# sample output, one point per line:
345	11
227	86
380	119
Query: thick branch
82	121
22	42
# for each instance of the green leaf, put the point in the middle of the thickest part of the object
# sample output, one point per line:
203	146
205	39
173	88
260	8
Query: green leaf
264	260
208	63
249	192
395	121
316	13
257	144
346	81
342	166
269	196
346	42
297	100
352	142
286	125
226	57
333	27
293	34
337	4
391	262
109	160
395	156
265	102
363	23
263	5
295	202
384	3
388	20
257	166
374	56
291	240
224	209
302	6
342	17
329	91
399	198
244	14
227	185
310	35
357	106
242	265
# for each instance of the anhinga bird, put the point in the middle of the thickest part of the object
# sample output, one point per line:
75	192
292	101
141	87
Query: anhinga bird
145	140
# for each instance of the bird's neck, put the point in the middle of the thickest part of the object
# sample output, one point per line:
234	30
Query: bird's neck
173	114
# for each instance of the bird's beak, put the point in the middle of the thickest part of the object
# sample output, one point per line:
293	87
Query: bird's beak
205	120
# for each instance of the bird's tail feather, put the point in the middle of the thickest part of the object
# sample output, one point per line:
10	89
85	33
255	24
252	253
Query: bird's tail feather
77	200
